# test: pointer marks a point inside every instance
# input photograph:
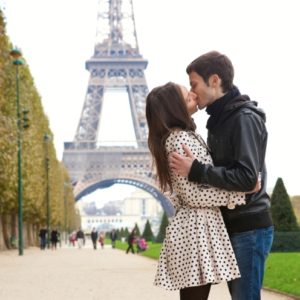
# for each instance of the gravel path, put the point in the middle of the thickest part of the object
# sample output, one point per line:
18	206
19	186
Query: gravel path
70	273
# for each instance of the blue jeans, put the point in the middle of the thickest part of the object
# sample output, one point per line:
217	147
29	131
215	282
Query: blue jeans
251	249
43	243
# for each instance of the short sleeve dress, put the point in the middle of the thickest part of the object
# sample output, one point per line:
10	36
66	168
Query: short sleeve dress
196	250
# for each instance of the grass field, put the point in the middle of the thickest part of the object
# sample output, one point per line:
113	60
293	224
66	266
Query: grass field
152	251
282	269
283	273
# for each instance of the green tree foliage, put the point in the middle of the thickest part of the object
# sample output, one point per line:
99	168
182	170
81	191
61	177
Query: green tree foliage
8	150
34	154
126	233
118	233
282	211
148	234
137	230
122	233
162	229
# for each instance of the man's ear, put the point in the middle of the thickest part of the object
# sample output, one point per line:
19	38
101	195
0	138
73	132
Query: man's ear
214	81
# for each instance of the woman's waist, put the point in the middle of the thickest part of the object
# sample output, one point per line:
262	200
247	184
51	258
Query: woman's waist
196	209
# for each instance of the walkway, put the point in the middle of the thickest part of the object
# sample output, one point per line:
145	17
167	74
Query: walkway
70	273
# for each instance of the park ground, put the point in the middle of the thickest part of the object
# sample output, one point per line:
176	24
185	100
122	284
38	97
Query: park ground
72	273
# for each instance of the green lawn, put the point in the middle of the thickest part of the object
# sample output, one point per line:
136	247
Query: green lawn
152	251
282	269
283	273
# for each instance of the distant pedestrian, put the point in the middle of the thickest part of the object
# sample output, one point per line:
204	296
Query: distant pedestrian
72	238
43	236
94	237
80	238
101	239
141	245
54	239
131	240
113	238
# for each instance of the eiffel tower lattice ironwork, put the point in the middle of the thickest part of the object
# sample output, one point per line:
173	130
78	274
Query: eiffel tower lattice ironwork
116	64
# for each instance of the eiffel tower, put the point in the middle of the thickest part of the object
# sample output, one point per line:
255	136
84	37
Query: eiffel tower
116	65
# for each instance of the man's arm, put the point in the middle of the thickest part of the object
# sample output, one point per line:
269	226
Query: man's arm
243	173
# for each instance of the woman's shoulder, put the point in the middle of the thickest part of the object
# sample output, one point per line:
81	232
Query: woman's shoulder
177	138
178	133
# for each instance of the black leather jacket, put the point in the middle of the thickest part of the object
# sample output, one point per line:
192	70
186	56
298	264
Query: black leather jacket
237	143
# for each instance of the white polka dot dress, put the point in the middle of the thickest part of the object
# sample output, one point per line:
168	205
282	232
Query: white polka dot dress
196	249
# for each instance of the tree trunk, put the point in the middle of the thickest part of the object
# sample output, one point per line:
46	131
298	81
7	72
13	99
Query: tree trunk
36	235
5	231
31	234
13	231
2	243
25	235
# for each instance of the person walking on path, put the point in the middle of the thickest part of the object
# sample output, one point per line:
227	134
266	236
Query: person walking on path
101	239
80	238
237	141
94	237
131	240
72	238
196	251
54	239
43	236
113	238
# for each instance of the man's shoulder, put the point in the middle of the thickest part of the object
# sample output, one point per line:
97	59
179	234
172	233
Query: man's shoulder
250	108
247	114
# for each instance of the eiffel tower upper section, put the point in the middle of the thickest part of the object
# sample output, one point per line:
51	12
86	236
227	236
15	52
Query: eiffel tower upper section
116	64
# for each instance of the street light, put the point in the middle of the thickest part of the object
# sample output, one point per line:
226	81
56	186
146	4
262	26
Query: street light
47	138
17	61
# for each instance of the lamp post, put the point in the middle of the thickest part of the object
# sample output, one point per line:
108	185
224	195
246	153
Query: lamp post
17	61
47	138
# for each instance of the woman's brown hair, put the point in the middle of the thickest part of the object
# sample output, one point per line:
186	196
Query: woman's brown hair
165	111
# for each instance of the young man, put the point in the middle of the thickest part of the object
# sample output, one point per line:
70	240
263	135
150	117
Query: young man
237	139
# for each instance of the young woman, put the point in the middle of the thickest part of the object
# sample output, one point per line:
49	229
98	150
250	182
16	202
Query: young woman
196	251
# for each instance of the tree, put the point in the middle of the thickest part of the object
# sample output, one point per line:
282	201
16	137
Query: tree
34	184
162	229
282	211
122	233
118	233
126	232
148	234
137	230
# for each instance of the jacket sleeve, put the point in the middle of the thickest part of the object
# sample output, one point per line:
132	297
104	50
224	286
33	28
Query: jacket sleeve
190	193
247	139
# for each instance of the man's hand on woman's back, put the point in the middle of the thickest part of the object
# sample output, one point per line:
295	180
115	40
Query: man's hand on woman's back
181	164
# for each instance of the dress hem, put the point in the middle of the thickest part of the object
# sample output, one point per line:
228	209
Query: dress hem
183	287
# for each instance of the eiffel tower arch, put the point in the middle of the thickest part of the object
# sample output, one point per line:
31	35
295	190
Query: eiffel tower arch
116	65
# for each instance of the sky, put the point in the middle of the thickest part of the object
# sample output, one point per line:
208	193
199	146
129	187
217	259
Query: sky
260	37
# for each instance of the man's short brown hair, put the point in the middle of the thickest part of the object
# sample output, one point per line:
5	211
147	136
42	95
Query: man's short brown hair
212	63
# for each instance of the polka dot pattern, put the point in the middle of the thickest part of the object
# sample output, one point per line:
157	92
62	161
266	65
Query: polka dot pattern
196	249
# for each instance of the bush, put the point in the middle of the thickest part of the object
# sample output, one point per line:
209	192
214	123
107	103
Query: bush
148	234
162	229
283	215
286	241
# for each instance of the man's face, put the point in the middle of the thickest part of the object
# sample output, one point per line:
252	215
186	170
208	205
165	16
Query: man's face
206	93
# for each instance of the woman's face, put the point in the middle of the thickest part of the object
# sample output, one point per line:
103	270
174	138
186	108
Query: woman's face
190	100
